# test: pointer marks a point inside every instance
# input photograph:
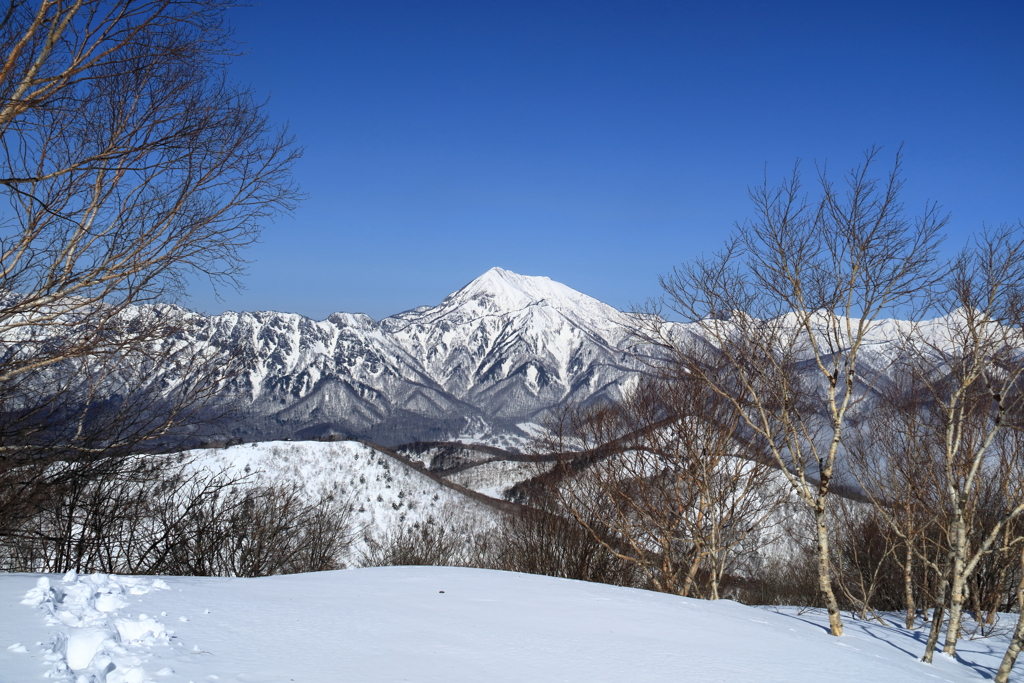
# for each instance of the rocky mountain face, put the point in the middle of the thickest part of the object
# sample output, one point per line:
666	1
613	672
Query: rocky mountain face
485	364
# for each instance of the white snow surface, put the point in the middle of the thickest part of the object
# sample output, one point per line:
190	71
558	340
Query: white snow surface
437	624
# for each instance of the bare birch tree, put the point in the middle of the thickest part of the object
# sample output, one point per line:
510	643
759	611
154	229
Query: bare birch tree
778	320
1017	638
971	365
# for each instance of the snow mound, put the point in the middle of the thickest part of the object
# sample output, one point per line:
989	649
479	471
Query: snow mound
454	625
96	642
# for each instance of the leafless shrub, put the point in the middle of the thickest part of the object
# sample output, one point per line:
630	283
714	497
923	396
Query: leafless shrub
159	515
790	579
536	541
426	544
263	530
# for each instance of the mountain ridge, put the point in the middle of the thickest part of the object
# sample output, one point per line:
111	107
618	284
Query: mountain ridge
482	366
500	351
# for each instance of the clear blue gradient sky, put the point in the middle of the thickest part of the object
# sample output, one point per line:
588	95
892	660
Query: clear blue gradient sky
602	143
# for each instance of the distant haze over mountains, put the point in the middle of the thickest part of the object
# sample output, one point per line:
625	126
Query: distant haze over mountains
484	364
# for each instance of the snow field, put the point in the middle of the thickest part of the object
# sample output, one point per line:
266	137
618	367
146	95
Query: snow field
450	625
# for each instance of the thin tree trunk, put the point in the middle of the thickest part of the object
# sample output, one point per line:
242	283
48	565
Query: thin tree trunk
995	598
1003	674
691	572
974	597
715	574
908	585
825	575
937	614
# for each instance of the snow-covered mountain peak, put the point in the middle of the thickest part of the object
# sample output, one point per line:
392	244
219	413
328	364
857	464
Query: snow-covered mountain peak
503	291
501	282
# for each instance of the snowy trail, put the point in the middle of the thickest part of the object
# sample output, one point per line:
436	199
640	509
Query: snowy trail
436	624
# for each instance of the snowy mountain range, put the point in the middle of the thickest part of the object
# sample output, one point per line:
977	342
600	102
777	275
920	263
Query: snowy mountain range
484	364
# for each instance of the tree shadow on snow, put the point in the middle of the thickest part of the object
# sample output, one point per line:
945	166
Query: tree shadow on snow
890	635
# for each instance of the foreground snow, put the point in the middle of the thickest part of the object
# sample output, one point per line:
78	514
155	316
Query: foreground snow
433	624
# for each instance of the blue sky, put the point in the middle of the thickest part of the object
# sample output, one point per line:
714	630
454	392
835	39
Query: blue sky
602	143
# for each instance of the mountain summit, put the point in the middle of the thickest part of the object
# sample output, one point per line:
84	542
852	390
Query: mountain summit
511	291
511	287
500	292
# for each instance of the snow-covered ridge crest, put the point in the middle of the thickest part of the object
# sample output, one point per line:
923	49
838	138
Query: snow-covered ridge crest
460	625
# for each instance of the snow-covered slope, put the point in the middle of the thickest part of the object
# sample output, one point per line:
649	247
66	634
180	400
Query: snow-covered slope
437	624
385	494
500	351
495	478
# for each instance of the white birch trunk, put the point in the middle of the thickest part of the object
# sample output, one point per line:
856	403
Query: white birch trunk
825	574
956	596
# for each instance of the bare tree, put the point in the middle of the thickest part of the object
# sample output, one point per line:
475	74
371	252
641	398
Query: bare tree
779	319
892	454
129	163
940	456
665	481
970	364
